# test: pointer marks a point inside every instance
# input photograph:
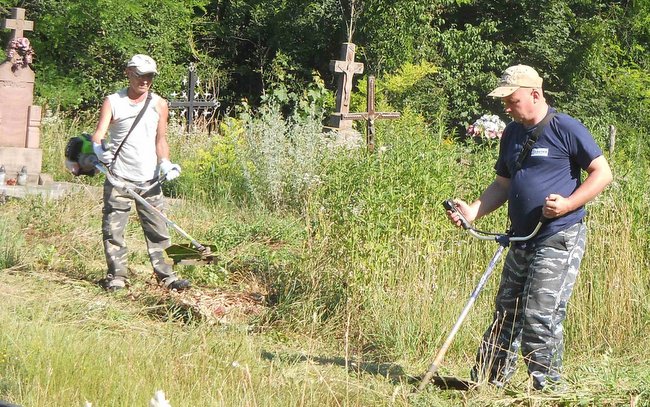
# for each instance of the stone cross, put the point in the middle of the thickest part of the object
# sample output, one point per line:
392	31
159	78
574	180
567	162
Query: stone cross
20	120
191	105
370	115
18	23
348	68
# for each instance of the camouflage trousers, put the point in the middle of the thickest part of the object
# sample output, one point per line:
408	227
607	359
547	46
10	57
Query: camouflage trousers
536	285
117	206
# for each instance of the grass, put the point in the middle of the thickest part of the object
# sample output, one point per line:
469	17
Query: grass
361	277
64	342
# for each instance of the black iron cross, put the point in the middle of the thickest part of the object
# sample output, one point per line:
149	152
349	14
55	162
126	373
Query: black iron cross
191	104
370	115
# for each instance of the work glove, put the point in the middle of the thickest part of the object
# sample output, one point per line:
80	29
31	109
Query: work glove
103	152
168	170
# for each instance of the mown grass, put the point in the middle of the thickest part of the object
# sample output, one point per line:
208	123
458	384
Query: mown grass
64	342
362	274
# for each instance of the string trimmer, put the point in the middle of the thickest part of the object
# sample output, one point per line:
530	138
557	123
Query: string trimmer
504	241
81	160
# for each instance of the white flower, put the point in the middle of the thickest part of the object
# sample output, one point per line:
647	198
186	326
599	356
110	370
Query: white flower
488	126
159	400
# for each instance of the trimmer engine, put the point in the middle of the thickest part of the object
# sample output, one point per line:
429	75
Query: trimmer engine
79	156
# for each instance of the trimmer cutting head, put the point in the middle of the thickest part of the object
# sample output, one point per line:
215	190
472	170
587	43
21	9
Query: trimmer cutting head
452	383
187	254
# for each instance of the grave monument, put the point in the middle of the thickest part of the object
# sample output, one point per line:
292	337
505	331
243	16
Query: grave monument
347	68
370	115
20	120
191	105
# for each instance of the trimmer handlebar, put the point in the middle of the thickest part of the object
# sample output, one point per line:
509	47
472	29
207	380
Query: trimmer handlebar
450	206
503	238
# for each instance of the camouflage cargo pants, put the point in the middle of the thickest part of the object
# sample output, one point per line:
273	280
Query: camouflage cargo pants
536	285
117	205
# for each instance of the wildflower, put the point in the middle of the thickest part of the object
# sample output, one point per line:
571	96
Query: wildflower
159	400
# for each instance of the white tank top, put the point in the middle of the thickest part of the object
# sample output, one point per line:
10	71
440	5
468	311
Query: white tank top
137	159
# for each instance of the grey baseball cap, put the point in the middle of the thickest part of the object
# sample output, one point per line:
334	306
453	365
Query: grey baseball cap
143	64
515	77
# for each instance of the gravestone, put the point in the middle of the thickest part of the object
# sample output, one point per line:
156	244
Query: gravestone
20	120
348	68
191	106
370	115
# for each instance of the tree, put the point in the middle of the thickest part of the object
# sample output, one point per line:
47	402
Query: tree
82	45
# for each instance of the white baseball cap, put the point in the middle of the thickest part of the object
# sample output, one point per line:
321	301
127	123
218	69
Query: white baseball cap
143	64
515	77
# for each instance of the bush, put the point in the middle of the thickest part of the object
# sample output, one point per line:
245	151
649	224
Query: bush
260	159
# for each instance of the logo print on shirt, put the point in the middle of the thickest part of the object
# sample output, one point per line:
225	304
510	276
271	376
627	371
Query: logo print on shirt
539	152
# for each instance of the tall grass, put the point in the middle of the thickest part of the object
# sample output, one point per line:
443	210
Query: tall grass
265	160
11	244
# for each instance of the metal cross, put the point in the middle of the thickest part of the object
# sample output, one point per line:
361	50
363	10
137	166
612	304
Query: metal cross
191	104
17	23
348	68
370	115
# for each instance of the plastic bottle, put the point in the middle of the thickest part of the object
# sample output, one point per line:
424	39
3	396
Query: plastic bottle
22	176
3	175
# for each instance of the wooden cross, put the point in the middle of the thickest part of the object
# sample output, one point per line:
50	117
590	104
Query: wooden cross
370	115
17	23
191	104
348	68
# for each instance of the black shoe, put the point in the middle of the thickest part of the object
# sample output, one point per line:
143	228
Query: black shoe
179	285
111	284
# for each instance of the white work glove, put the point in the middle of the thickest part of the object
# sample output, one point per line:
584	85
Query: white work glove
168	170
105	156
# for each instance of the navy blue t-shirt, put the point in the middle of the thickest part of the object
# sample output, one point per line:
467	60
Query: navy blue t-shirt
552	167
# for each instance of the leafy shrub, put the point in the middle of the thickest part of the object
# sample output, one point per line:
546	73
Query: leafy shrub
414	85
298	97
281	159
469	63
260	159
212	171
79	70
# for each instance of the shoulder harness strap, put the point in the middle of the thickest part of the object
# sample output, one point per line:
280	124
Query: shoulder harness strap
532	139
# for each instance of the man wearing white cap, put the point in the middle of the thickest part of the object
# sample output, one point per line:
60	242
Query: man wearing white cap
541	155
137	151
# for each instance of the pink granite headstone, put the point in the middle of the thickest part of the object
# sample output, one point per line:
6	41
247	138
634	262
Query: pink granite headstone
20	120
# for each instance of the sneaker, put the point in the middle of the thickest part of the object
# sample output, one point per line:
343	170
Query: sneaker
179	285
115	283
555	387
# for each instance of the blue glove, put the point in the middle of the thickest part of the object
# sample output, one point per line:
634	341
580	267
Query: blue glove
103	155
168	170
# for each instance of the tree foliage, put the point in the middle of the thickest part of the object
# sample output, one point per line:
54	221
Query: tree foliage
593	54
82	45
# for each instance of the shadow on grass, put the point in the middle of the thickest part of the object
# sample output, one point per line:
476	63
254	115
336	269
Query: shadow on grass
391	371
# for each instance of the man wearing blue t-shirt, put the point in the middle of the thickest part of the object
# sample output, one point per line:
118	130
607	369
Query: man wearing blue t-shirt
539	274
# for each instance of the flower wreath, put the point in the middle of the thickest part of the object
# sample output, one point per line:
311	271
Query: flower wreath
21	52
488	126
